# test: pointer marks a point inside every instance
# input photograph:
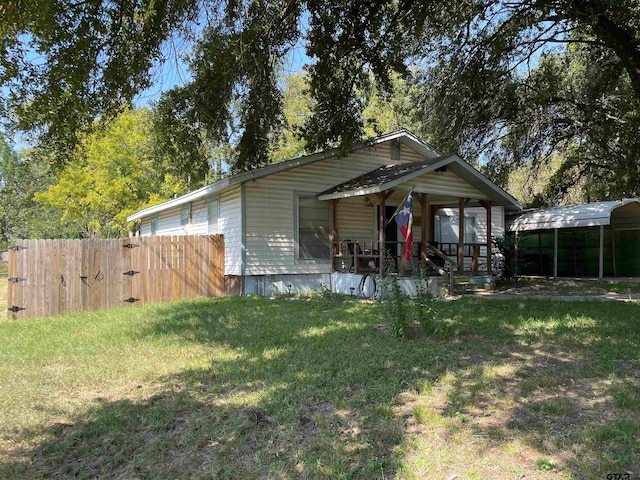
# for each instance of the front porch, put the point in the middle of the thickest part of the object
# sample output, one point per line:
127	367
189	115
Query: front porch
452	212
429	253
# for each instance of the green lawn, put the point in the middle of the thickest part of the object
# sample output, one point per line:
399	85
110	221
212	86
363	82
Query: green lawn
259	388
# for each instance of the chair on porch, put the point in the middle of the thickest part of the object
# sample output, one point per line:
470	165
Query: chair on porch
366	260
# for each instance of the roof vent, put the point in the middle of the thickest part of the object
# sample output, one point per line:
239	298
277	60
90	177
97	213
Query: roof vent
395	151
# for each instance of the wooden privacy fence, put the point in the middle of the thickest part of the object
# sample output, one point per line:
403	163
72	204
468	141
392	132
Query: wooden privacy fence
51	277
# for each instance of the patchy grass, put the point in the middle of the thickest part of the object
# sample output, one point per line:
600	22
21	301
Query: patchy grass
259	388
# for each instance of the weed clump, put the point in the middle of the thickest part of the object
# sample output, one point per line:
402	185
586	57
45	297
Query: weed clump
400	311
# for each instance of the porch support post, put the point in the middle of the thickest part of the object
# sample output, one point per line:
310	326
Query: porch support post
601	262
334	231
487	205
423	228
555	253
381	228
462	202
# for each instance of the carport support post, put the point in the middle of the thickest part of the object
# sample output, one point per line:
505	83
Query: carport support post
555	253
601	262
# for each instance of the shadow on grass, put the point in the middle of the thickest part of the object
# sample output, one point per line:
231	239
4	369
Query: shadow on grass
560	378
310	388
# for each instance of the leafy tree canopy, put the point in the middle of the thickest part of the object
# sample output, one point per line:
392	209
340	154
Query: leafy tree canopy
113	173
21	177
488	67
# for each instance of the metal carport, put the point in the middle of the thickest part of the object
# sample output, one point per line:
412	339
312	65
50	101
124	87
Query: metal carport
607	220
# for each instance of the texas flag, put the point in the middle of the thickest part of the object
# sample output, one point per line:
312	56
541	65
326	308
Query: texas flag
404	220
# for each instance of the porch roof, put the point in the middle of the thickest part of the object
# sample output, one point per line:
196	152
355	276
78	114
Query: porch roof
385	178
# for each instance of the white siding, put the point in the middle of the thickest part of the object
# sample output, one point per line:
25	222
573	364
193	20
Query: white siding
409	155
169	223
270	236
199	221
355	219
446	184
145	227
230	225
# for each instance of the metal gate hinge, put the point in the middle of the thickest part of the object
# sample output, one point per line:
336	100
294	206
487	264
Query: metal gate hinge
16	279
131	273
130	245
131	300
17	248
15	309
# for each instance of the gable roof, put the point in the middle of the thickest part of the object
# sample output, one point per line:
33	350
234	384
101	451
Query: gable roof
403	136
385	178
584	215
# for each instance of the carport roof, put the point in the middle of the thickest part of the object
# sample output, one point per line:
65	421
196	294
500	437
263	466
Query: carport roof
584	215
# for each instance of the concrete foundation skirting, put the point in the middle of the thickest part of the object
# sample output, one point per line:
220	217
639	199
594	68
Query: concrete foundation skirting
345	283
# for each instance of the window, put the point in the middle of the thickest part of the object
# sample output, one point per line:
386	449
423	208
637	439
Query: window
212	216
185	217
313	229
154	225
446	229
470	231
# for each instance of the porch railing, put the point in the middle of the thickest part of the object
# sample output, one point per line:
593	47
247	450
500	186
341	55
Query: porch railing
364	257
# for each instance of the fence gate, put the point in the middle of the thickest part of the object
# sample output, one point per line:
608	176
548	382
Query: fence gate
51	277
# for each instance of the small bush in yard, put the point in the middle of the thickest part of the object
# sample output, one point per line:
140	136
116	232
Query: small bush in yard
399	311
426	310
392	304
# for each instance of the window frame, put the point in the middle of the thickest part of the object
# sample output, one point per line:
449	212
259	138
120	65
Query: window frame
210	201
296	230
186	225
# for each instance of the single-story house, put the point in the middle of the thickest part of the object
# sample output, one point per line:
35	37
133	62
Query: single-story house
316	219
595	239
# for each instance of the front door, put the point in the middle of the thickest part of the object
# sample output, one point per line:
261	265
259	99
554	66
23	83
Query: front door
391	230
